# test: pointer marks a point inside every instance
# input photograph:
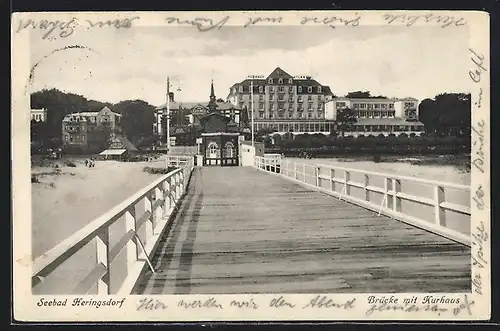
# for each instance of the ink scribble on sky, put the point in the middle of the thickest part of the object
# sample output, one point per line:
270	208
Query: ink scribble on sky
134	63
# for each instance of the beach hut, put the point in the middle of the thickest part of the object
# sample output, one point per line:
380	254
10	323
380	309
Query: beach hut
119	148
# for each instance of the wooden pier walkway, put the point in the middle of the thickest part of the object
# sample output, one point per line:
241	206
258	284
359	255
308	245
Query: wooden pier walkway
259	233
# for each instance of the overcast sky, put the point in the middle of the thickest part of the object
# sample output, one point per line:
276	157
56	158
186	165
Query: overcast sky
134	63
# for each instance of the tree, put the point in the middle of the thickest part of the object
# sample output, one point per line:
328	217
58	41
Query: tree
448	114
345	120
363	95
138	118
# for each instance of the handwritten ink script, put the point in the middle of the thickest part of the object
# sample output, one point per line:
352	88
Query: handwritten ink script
478	60
479	239
118	24
66	28
323	301
202	23
150	304
63	28
478	145
409	20
256	20
331	21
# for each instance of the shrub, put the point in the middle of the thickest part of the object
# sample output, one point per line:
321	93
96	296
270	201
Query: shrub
69	164
157	170
377	158
34	179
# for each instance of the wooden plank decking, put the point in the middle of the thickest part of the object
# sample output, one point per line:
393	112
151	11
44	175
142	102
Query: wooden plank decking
239	230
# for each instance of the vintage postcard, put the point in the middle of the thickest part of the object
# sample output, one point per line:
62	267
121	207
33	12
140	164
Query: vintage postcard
226	166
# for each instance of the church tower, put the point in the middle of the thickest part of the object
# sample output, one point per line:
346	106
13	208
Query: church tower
212	105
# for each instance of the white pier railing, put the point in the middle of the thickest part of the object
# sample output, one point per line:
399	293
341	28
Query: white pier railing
179	160
144	217
419	202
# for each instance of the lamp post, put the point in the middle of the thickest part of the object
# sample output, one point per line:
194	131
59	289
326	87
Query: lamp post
251	100
168	114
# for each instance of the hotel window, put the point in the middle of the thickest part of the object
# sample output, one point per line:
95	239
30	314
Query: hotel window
261	106
261	114
290	81
280	115
319	89
377	106
271	89
271	97
311	99
281	106
240	88
270	115
391	105
391	114
83	138
281	89
241	98
310	115
363	114
299	115
384	106
406	112
355	105
310	108
377	114
280	81
290	89
261	97
290	115
309	89
270	80
290	106
339	104
370	106
271	107
290	98
300	98
300	89
66	137
384	114
261	89
362	105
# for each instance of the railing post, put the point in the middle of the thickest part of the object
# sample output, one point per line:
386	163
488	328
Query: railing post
159	211
396	202
304	172
145	206
102	253
439	215
316	175
366	182
347	178
167	189
295	171
332	180
132	249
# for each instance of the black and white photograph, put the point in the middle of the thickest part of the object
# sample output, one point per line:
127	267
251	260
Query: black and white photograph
273	163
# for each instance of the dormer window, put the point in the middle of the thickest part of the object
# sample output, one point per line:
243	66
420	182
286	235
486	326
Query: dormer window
240	89
270	80
261	89
290	81
319	89
280	81
309	89
300	89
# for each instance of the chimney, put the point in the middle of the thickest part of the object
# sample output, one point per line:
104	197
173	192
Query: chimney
171	96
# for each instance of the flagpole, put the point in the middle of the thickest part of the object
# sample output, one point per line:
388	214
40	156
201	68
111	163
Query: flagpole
251	96
168	114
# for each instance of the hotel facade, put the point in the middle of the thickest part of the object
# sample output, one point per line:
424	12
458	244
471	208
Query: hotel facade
284	103
378	115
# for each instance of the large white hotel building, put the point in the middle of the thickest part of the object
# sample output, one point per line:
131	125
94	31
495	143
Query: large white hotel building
300	104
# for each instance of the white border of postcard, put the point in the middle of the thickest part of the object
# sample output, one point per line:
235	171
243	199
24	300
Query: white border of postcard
475	305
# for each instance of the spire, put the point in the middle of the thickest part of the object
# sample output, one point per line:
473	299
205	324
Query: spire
212	93
212	104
